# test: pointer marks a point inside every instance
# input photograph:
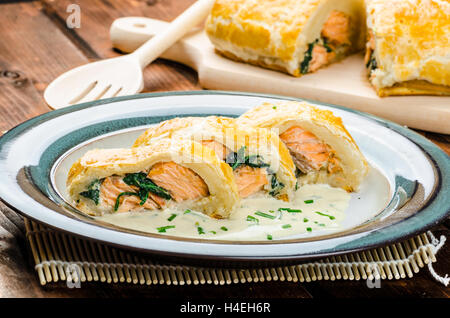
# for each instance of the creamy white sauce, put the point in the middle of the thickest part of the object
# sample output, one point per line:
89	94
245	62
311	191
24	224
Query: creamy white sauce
259	217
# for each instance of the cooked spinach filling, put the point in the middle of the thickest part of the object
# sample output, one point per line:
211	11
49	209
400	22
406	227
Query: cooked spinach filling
93	191
139	180
145	186
276	186
304	65
236	159
326	45
298	172
116	206
372	63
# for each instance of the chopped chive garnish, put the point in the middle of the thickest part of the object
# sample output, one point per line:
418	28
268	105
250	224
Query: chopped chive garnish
223	228
321	224
269	237
305	220
163	229
187	211
265	215
309	229
308	201
252	219
170	218
290	210
213	232
200	230
286	226
274	107
323	214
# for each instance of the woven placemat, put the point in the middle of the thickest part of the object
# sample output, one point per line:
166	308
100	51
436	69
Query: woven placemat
62	257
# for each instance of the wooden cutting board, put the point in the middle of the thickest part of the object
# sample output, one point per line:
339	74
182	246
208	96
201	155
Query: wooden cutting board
344	83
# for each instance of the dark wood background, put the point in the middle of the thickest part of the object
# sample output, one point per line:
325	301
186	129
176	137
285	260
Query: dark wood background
35	47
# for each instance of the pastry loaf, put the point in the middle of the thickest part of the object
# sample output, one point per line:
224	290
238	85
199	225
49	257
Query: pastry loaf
293	36
167	172
408	46
320	145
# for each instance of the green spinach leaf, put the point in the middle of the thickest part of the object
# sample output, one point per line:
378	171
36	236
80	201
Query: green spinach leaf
304	65
116	206
276	185
145	185
236	159
93	191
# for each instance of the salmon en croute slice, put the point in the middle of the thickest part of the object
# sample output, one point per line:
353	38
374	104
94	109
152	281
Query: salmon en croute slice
321	147
293	36
260	161
408	47
167	173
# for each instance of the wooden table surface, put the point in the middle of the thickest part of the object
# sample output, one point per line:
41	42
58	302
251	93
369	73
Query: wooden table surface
35	47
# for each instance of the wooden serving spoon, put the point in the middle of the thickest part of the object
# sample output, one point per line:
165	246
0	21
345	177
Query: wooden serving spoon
121	75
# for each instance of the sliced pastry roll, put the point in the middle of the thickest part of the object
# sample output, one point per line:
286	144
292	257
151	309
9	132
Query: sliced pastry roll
260	161
293	36
321	148
408	47
168	173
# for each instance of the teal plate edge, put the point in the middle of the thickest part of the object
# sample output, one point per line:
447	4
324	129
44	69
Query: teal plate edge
435	211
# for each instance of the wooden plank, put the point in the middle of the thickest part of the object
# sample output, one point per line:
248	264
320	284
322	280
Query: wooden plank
98	15
17	275
442	141
32	53
260	290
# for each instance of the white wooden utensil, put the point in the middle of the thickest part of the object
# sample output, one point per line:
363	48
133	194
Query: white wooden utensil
121	75
344	83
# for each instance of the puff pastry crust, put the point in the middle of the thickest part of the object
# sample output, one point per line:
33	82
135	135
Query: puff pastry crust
282	34
408	47
325	127
102	163
257	141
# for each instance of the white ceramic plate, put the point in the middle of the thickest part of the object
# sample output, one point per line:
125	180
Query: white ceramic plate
404	194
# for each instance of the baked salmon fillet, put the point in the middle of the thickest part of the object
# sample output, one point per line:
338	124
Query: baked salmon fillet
408	47
168	173
261	163
293	36
321	147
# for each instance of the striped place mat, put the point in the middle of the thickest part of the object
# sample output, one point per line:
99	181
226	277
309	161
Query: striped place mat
62	257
